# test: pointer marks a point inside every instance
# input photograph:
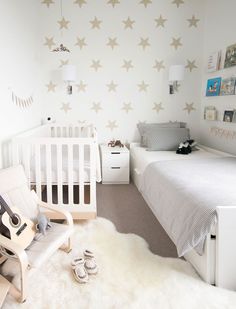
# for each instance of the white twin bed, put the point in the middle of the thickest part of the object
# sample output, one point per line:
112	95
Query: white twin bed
177	198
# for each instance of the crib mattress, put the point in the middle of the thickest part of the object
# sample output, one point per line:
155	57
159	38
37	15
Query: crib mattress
64	167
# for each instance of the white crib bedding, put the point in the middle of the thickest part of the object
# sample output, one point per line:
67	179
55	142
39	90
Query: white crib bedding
64	169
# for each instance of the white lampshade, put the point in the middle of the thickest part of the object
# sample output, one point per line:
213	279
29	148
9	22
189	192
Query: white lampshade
176	73
69	73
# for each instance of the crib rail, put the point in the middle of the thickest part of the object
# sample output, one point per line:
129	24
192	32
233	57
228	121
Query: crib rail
62	168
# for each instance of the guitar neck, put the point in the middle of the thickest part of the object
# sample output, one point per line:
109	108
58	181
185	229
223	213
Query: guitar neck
6	207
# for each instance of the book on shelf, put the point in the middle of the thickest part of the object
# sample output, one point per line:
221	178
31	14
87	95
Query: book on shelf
213	63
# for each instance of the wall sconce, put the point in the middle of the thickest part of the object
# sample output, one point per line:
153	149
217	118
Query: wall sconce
176	74
69	76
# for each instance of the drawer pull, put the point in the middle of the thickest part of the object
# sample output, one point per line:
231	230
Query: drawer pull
115	168
115	152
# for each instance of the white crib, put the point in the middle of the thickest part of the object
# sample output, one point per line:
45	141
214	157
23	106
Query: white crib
62	163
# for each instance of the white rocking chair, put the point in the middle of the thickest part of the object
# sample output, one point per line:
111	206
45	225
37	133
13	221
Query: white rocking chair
14	190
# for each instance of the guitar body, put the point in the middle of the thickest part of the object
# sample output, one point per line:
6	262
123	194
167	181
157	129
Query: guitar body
20	229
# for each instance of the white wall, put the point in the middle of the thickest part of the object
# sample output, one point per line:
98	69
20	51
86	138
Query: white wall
19	66
177	25
219	33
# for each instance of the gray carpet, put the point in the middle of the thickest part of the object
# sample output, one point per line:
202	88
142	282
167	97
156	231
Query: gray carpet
126	208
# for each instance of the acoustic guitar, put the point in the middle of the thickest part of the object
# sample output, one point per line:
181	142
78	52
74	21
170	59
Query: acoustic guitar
14	226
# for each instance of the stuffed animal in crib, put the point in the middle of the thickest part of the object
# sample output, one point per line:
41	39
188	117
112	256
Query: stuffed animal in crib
43	224
186	147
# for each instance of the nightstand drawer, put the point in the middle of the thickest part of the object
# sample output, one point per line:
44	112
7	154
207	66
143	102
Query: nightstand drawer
115	174
115	159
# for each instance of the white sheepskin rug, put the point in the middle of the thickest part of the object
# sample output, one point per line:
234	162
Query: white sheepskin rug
130	276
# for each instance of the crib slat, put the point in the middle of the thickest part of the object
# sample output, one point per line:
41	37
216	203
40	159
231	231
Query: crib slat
15	153
38	170
70	174
49	172
88	131
59	173
26	161
81	174
93	153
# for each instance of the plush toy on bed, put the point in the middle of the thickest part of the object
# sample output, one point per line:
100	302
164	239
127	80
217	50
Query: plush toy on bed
43	224
186	147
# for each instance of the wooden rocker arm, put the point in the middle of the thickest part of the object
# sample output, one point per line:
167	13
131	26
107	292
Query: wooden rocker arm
22	257
65	213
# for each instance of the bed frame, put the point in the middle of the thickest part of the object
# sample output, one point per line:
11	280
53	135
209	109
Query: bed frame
78	197
217	264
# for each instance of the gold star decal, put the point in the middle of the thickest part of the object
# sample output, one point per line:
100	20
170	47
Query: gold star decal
96	107
143	86
158	107
127	65
112	125
128	23
96	65
112	43
189	107
65	107
176	43
47	2
81	42
144	43
51	86
112	86
81	86
191	65
63	23
80	2
193	21
113	2
160	22
95	23
127	107
49	42
159	65
145	2
178	2
63	62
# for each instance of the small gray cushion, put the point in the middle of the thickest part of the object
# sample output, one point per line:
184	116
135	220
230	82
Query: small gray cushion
145	128
166	138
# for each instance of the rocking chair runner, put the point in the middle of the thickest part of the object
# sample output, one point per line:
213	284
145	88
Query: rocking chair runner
14	189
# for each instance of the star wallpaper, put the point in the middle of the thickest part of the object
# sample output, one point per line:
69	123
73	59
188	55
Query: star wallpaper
122	50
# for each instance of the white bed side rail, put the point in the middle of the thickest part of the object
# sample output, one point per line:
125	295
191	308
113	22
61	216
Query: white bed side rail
226	247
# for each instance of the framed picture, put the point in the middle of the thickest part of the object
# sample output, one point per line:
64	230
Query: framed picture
213	63
228	116
228	86
213	87
230	56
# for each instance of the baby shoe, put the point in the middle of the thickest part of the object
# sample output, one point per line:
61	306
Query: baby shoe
90	263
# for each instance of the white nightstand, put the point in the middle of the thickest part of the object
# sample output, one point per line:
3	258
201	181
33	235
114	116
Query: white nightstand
115	164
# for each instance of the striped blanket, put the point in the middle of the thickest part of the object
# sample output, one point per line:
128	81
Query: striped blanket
184	195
